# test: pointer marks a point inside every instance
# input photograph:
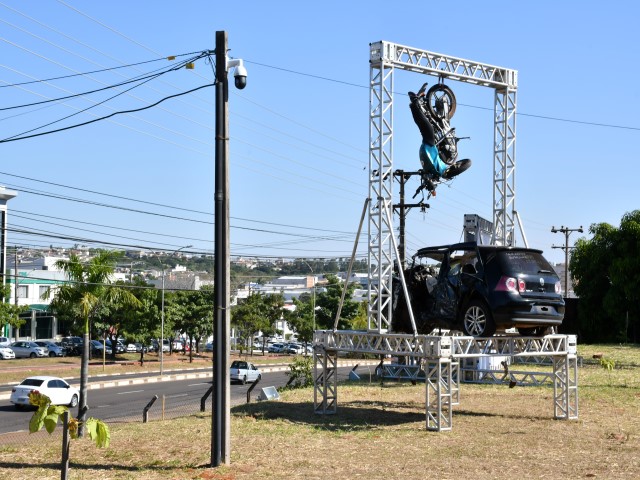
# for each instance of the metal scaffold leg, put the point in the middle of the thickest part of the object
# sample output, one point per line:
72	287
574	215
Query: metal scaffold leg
439	383
565	387
325	391
455	382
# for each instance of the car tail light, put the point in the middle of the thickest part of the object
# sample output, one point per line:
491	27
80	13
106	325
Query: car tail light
558	288
510	284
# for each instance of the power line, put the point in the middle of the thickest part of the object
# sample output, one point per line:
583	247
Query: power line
138	78
108	116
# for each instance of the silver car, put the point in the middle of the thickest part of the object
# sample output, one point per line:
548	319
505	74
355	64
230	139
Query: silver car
28	350
53	350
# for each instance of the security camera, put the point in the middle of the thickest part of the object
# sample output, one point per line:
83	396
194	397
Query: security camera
240	77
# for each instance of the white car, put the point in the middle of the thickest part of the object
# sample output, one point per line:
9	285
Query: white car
6	353
131	348
59	391
244	372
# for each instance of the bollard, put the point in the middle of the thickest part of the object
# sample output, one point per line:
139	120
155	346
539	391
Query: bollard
66	441
145	412
204	399
253	385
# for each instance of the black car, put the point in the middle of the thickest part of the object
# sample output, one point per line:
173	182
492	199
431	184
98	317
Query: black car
73	345
479	289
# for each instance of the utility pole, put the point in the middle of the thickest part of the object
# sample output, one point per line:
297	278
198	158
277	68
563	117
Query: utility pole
403	209
221	415
567	231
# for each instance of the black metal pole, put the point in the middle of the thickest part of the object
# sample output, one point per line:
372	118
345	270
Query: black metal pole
219	342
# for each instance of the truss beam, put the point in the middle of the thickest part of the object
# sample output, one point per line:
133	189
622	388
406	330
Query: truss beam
384	59
441	357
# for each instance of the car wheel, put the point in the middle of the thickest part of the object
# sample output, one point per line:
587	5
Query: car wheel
477	320
33	355
244	380
74	401
52	354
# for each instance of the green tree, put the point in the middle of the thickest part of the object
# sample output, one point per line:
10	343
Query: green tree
606	276
86	292
9	314
141	323
257	313
327	303
192	314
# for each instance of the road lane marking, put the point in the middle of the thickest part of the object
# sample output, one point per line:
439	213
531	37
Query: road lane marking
132	391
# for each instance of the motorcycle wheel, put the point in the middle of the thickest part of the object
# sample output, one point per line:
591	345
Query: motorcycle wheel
440	96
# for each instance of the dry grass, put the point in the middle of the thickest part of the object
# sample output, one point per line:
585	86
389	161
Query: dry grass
378	433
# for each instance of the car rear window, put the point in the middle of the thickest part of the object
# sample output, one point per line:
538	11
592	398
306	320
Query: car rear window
524	262
32	382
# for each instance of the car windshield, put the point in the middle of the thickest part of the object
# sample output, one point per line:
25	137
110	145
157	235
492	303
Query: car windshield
239	365
524	262
32	382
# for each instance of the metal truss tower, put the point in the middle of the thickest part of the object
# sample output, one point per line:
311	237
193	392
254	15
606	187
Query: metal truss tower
385	57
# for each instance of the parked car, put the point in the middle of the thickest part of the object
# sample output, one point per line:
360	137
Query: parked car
53	349
5	341
139	347
59	391
275	347
292	348
165	346
73	345
208	347
120	348
479	289
6	353
97	348
244	372
27	349
131	348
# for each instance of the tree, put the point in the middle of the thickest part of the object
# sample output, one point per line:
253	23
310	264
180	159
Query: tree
141	322
327	303
9	314
192	314
606	275
86	292
257	313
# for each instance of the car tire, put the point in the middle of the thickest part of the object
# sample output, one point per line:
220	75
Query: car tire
74	401
477	320
52	354
33	355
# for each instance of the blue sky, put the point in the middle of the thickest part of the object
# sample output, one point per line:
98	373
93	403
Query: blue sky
299	131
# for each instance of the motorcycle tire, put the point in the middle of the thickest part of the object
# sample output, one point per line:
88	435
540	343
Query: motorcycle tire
438	96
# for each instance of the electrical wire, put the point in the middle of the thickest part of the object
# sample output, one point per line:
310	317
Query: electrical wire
150	75
122	112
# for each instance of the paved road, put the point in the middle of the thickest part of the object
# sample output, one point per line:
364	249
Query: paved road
123	397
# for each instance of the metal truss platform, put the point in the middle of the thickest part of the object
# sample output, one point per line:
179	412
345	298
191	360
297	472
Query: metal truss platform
443	362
